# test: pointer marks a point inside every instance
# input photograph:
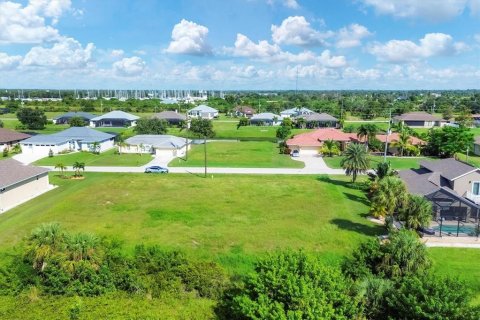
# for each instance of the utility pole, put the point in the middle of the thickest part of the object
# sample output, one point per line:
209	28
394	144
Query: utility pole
386	138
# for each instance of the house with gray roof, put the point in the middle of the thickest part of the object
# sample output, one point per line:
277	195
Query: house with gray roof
8	138
71	139
65	118
266	119
172	117
295	112
319	120
452	186
158	145
203	111
419	119
20	183
115	118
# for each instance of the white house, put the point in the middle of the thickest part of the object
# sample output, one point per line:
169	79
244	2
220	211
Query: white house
73	139
159	145
114	119
295	112
266	119
20	183
203	111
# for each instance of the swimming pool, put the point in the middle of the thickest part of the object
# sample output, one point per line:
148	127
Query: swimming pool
452	228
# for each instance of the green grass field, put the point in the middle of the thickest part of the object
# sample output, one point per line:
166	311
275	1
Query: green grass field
397	163
242	154
107	158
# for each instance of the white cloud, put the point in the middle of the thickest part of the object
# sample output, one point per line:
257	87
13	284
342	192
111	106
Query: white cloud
476	37
296	30
9	62
117	53
433	10
65	54
292	4
50	8
244	47
351	36
129	67
189	38
326	59
433	44
368	74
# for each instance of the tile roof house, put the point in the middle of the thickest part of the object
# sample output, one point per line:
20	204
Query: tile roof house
420	119
9	138
452	186
160	145
395	137
20	183
172	117
203	111
114	119
64	118
310	142
74	138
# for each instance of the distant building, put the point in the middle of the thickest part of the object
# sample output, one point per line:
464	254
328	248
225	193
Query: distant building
420	119
244	111
266	119
320	120
73	139
159	145
295	112
203	111
172	117
65	118
20	183
114	119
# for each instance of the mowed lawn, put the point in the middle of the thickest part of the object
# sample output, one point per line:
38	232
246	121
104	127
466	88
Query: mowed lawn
398	163
241	154
107	158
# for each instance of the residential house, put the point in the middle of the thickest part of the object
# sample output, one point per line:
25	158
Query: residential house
159	145
295	112
244	111
266	119
319	120
9	138
419	119
73	139
476	146
65	118
114	119
452	186
203	111
311	142
172	117
394	137
476	119
20	183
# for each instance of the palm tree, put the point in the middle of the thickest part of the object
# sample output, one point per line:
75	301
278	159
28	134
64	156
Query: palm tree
121	144
417	212
367	132
77	166
384	169
355	160
403	142
330	148
83	247
390	195
301	122
43	243
61	167
96	147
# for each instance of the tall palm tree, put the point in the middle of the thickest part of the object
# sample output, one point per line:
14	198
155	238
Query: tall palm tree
61	167
390	195
368	132
384	169
403	142
77	166
355	160
96	147
330	148
417	212
43	243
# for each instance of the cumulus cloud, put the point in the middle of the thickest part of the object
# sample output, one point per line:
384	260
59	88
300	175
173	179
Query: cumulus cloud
50	8
129	67
9	62
433	10
117	53
297	30
65	54
244	47
401	51
189	38
292	4
326	59
351	36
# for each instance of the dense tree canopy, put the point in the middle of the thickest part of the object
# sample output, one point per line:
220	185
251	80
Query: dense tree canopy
447	141
151	126
32	118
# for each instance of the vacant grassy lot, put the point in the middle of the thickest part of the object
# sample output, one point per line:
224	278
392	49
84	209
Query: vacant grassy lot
242	154
107	158
396	162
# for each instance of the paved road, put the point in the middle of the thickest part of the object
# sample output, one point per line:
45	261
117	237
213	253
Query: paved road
313	165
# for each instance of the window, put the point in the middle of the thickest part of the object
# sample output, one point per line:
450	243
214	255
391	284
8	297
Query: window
476	188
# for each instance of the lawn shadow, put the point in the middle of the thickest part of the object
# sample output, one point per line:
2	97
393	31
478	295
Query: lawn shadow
356	198
342	183
374	230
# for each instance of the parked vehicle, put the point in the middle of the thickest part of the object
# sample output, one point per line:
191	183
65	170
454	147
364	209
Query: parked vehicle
156	169
295	153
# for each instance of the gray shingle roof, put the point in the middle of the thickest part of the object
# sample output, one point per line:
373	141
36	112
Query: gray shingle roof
157	141
85	115
84	134
320	117
265	116
12	172
418	181
203	108
301	110
117	114
7	135
448	168
169	115
417	116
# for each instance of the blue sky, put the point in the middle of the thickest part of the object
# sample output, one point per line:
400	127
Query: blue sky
240	44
